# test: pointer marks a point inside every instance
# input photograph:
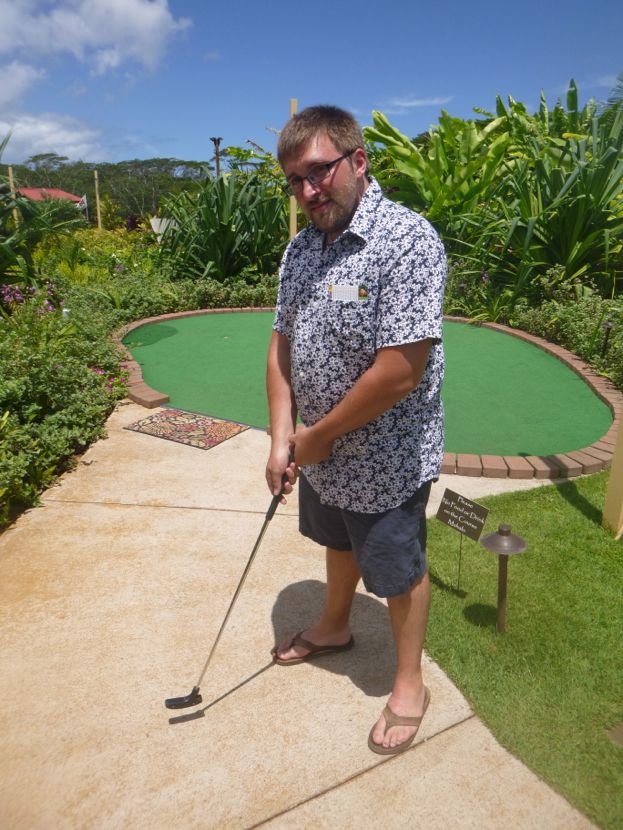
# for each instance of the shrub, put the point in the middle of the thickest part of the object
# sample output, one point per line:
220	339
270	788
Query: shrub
92	256
583	322
58	382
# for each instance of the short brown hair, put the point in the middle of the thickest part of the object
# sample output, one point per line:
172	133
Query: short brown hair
339	126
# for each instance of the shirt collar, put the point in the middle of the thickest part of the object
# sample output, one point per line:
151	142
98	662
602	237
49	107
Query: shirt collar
364	217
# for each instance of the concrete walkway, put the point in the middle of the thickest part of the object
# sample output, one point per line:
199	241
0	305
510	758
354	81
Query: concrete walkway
111	595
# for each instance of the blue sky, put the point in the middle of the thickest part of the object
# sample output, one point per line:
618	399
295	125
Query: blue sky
107	80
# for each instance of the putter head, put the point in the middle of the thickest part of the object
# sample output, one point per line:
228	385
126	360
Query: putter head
182	702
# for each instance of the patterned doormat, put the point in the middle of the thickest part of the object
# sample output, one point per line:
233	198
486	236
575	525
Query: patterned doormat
188	428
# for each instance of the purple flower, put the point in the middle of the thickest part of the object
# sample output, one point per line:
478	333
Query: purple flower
485	276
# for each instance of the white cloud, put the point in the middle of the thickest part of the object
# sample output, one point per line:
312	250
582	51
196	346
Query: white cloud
106	59
104	35
101	33
49	132
410	102
16	79
213	56
403	105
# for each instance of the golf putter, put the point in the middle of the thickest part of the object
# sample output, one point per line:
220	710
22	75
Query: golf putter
194	698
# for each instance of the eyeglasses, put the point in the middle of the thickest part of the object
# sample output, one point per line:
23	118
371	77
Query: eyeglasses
317	174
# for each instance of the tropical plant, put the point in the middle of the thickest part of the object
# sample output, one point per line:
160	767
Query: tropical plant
233	224
564	209
24	223
515	195
449	177
614	104
253	160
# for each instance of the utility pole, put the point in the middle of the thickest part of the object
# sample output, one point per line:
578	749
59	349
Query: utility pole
97	200
216	140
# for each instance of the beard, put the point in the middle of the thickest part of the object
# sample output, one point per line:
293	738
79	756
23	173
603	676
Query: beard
332	211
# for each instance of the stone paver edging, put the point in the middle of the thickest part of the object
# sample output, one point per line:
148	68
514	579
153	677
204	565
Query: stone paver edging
591	459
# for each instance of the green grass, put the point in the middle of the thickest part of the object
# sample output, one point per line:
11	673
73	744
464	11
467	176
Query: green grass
550	687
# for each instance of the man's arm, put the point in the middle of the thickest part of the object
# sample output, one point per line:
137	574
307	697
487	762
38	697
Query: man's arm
282	409
396	371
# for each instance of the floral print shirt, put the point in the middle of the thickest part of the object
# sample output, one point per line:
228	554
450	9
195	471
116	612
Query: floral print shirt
379	284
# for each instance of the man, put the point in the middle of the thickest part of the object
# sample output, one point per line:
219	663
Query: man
356	353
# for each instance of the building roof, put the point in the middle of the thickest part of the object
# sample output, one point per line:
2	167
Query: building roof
38	194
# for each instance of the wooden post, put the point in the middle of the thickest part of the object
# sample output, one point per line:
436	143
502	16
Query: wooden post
293	224
613	509
12	191
97	200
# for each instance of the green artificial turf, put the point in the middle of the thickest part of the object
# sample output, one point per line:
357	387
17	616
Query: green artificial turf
213	364
505	396
550	687
502	396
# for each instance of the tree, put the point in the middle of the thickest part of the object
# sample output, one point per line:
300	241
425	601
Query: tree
23	223
138	186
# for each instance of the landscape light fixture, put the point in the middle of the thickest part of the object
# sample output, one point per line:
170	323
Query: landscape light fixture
504	544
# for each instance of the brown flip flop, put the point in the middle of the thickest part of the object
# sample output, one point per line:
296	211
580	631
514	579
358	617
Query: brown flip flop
392	719
314	650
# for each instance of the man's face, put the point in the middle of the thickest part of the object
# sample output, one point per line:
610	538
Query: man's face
331	203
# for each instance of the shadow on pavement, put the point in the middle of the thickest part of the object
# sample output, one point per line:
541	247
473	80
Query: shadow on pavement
371	664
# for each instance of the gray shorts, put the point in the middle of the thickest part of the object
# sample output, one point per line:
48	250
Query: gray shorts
390	547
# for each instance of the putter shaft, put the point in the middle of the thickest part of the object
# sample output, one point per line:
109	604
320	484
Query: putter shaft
194	697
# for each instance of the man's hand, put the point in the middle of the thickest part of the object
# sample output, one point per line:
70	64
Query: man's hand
279	464
309	448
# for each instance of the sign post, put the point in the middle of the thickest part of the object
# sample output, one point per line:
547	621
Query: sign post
463	515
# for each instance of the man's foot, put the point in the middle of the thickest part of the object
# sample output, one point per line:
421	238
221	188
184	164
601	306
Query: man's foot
398	725
311	643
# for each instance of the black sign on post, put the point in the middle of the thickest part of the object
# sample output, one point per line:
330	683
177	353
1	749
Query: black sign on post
462	514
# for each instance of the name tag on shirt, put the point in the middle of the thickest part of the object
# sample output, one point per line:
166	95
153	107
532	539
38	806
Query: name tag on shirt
344	293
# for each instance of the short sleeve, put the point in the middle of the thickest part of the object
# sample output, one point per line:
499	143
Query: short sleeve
283	311
411	291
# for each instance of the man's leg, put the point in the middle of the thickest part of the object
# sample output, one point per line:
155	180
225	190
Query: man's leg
408	615
333	627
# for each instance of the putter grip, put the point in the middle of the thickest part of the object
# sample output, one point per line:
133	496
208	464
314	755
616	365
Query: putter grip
276	499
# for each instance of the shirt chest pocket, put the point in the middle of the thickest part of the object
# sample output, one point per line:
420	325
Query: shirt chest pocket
350	326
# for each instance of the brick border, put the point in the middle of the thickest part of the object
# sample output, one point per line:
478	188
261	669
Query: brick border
592	459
